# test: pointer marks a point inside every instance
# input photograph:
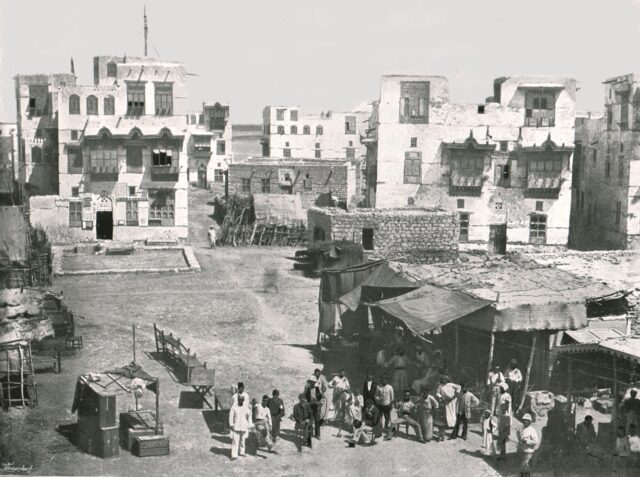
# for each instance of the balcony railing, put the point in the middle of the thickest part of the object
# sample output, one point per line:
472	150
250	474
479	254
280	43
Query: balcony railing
540	122
164	173
104	174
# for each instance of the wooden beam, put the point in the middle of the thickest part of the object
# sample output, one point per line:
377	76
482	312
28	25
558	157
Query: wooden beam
526	378
157	430
457	345
615	394
491	347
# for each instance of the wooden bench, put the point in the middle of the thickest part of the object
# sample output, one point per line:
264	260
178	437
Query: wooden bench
47	361
174	350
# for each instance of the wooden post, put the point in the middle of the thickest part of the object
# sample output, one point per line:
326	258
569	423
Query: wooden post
457	346
134	343
491	346
526	378
157	406
615	395
569	380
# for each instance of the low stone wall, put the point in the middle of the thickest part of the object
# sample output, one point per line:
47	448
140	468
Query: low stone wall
416	235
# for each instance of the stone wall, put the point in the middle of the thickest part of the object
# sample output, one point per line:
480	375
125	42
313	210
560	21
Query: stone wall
415	235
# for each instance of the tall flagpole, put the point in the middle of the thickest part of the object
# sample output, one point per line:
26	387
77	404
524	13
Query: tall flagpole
146	30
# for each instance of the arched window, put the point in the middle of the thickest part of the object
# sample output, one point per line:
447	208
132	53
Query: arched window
36	155
294	129
92	105
306	130
319	130
112	70
280	129
74	104
109	105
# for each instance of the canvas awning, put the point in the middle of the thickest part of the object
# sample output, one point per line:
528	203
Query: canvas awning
623	347
430	307
532	317
591	335
382	277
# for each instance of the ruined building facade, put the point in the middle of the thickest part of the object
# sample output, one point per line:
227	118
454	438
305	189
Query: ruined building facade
606	193
114	149
504	165
209	144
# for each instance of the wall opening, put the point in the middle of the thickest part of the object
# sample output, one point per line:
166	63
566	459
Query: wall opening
367	239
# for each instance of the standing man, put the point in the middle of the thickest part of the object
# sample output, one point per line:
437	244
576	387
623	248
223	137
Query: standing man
495	379
399	363
465	403
514	380
263	420
315	389
369	388
304	424
239	422
240	392
212	236
426	406
340	385
631	409
276	407
384	401
527	445
504	420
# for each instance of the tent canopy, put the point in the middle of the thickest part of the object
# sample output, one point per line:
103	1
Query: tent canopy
383	277
430	307
623	347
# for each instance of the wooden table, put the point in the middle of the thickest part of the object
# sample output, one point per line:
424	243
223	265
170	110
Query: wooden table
202	380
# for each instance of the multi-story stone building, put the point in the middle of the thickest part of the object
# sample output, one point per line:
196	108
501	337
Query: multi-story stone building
504	164
606	206
37	129
117	147
9	189
209	146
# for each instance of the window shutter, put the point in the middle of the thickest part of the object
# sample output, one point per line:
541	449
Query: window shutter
143	213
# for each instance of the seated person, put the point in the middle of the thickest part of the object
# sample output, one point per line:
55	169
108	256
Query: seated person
586	433
370	424
634	444
406	410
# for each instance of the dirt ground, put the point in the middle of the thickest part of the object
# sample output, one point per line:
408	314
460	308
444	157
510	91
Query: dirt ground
222	313
140	260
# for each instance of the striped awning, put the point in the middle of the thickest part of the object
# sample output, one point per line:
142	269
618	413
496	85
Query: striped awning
460	180
536	182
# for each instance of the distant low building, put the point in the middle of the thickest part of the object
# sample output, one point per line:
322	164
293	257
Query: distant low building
313	180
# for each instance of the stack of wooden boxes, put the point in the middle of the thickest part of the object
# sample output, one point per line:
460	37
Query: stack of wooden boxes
97	432
138	434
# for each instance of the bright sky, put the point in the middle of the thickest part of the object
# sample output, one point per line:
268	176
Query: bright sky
326	54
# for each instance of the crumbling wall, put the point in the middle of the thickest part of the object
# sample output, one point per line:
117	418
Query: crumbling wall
13	234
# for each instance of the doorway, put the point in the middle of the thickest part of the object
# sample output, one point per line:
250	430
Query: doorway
104	225
202	177
498	239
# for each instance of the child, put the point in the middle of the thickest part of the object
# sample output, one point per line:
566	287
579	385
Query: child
634	444
489	433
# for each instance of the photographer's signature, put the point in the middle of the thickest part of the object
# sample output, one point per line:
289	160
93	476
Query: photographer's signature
11	467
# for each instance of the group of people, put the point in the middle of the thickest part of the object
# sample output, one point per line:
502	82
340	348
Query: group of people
264	417
430	405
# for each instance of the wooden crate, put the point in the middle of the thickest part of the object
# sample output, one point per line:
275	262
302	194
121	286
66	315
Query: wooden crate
101	442
133	433
101	405
146	446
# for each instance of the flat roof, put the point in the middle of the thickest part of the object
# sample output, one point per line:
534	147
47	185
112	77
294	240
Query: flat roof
509	282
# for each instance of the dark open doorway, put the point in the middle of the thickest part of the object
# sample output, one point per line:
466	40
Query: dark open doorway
104	225
498	239
202	177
